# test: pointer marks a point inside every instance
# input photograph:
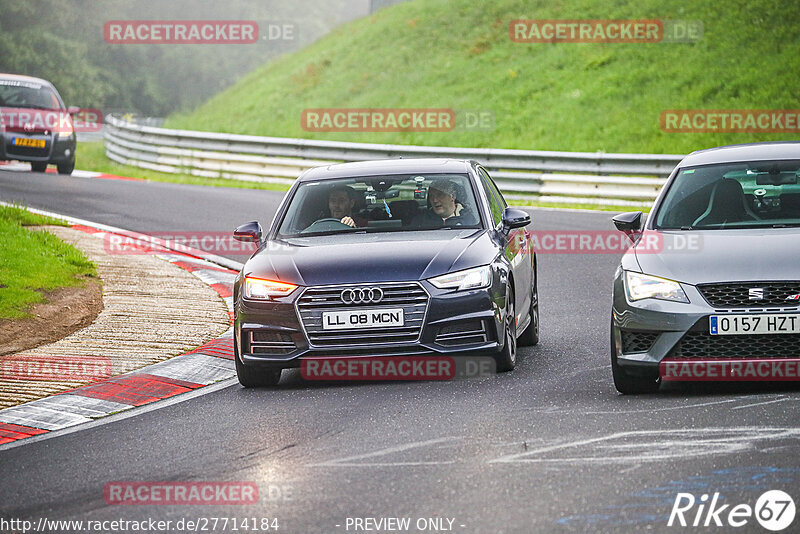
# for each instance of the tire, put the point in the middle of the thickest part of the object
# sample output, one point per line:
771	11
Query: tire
253	377
66	168
630	384
507	358
530	336
38	166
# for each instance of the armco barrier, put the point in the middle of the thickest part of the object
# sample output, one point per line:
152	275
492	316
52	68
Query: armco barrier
575	177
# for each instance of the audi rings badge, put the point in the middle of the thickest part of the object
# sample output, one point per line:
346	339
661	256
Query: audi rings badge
362	295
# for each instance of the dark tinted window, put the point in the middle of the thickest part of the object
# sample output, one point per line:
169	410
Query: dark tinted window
733	195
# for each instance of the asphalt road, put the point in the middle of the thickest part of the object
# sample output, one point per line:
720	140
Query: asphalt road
549	447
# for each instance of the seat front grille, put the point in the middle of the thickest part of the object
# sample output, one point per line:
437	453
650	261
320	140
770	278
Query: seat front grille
704	345
737	295
637	340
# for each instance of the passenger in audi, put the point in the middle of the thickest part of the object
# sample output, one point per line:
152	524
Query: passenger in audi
341	202
445	209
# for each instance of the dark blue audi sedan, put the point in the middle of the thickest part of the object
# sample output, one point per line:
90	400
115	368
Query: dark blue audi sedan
391	258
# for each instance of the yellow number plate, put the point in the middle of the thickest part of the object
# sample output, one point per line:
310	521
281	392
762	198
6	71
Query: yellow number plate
24	141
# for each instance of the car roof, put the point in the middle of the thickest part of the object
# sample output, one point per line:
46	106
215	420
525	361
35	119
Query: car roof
22	78
776	150
387	166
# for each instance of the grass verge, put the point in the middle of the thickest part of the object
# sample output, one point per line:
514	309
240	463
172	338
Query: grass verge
32	262
577	206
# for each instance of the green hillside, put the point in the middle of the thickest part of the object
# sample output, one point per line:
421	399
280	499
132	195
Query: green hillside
586	97
64	43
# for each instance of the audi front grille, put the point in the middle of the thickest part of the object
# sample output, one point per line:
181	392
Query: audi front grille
270	342
410	296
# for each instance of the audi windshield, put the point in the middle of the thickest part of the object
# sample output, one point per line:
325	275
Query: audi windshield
393	203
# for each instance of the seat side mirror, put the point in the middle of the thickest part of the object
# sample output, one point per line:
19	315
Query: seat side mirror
515	218
629	223
248	233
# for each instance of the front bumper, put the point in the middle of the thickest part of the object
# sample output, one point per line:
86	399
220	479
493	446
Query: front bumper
56	149
648	332
462	322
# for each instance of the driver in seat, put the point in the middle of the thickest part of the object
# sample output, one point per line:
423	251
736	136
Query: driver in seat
341	201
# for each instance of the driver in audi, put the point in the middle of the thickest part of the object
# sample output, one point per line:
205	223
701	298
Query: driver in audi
341	201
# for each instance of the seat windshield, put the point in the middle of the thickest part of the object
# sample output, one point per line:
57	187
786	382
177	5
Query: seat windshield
387	203
735	195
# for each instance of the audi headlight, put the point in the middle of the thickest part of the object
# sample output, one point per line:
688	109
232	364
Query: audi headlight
259	288
467	279
643	286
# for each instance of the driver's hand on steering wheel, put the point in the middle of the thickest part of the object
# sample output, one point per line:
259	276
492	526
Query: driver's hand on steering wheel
348	221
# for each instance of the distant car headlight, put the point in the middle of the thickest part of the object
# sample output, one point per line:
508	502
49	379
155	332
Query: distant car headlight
467	279
643	286
259	288
65	130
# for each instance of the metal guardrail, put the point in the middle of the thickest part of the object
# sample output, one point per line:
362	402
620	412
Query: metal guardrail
576	177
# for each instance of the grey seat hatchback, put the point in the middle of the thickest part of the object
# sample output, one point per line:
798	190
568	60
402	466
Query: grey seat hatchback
710	289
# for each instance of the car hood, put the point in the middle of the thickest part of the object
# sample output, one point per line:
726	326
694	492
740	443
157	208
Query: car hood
724	255
34	121
388	257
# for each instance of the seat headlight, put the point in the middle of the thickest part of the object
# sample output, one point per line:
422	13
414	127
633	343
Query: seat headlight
467	279
643	286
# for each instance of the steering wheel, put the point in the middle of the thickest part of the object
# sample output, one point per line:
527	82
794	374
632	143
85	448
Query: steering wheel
326	225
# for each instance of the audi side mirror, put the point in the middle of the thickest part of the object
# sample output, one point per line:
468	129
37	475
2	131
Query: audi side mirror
515	218
248	233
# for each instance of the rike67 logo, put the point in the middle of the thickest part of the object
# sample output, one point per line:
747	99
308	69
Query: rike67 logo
774	510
